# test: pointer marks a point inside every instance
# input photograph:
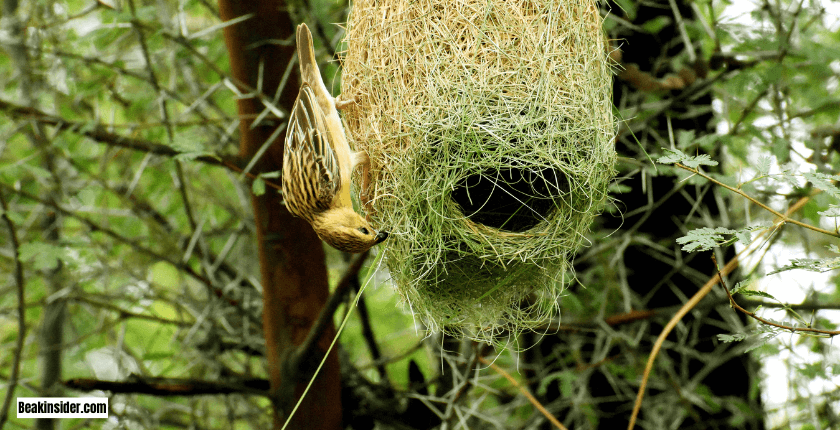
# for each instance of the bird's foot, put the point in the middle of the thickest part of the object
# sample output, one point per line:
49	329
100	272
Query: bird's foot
341	103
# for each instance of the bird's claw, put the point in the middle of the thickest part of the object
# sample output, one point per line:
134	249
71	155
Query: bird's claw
340	103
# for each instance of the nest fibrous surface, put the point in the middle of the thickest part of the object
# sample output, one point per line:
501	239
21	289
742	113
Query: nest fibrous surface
490	133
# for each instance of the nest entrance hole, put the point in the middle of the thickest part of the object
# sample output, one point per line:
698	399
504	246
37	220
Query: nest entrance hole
511	199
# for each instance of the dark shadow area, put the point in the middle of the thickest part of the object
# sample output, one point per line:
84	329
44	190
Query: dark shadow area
511	199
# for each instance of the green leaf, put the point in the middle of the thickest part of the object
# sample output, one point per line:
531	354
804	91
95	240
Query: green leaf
656	25
707	142
824	182
754	293
677	156
628	7
811	265
685	138
44	255
673	157
780	148
564	379
763	340
763	165
700	160
703	239
741	285
832	211
258	186
728	338
812	370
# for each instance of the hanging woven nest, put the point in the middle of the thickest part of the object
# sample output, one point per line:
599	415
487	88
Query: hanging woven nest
490	132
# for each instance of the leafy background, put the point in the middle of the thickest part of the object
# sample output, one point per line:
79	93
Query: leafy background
128	254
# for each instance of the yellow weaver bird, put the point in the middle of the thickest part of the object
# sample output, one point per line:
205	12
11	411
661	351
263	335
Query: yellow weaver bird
318	162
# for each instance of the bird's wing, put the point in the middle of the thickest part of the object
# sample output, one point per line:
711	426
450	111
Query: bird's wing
333	129
311	176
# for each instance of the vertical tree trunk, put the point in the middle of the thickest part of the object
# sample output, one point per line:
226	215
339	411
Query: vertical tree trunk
294	275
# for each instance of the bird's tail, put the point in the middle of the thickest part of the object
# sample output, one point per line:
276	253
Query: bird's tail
309	71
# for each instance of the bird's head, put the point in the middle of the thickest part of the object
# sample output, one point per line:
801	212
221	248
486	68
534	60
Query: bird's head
345	230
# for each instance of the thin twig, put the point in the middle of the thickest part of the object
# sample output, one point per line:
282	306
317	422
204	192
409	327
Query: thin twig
681	25
783	218
306	348
525	392
138	247
123	313
21	311
730	266
732	303
688	306
164	112
99	133
304	354
157	386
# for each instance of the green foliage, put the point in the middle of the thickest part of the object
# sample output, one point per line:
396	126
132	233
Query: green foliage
810	264
44	256
136	240
676	156
758	336
705	238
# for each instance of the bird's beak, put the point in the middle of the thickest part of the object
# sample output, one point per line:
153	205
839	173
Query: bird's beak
381	236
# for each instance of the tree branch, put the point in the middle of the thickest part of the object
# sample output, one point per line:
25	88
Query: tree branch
732	303
170	386
21	311
781	217
306	350
98	133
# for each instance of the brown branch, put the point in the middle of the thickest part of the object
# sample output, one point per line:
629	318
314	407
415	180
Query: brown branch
297	366
123	313
99	134
646	82
21	311
292	267
170	386
111	233
781	217
692	302
732	303
628	317
688	306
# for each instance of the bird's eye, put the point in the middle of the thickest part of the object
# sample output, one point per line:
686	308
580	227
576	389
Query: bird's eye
364	230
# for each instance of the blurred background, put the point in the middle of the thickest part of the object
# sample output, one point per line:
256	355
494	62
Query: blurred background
129	247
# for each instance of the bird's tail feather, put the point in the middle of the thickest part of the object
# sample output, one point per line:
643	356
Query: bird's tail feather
309	71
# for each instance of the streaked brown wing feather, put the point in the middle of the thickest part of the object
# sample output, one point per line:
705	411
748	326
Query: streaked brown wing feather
310	171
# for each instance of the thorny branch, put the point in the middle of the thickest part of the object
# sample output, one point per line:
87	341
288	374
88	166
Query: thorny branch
733	304
525	392
782	218
690	304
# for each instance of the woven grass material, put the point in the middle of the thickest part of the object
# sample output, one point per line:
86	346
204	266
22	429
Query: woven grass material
460	100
